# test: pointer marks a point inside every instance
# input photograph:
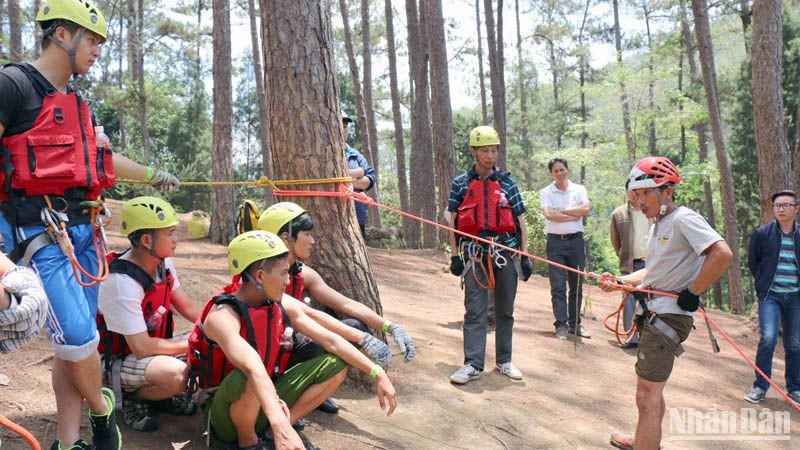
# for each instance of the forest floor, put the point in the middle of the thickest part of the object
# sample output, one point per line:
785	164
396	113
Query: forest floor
573	395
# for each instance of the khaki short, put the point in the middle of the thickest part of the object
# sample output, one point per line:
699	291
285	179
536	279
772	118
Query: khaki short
656	354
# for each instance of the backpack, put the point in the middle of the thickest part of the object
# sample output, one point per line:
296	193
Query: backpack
247	219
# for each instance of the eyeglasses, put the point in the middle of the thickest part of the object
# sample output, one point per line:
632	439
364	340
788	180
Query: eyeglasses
784	205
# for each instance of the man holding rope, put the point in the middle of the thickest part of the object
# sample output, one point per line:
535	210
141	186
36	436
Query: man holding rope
684	256
485	202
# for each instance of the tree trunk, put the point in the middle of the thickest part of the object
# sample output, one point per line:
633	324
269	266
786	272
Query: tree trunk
261	93
422	203
495	40
37	31
2	32
441	110
551	51
351	60
307	138
796	166
15	31
374	219
746	15
623	91
123	19
399	143
769	123
651	85
700	130
703	31
481	77
223	219
141	93
682	93
524	124
583	67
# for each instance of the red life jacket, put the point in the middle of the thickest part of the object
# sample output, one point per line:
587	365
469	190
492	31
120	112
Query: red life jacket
262	327
485	210
155	295
58	153
296	282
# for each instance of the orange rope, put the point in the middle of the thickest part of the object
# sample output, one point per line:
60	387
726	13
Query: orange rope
363	198
22	432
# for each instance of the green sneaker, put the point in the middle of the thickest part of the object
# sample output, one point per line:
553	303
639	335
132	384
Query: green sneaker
105	432
80	444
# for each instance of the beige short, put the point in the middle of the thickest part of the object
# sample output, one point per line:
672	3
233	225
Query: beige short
132	371
656	355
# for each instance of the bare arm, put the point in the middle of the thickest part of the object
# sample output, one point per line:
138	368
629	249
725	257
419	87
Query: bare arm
362	182
184	305
142	345
452	235
718	259
356	173
329	297
330	323
523	234
127	168
615	238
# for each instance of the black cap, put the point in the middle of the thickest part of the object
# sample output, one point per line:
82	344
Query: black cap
785	192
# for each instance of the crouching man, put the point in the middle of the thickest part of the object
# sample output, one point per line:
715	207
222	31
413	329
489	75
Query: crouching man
240	347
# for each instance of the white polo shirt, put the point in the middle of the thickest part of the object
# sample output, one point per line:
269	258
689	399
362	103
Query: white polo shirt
552	197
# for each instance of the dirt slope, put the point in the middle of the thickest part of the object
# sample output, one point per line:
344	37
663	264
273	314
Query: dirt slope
573	395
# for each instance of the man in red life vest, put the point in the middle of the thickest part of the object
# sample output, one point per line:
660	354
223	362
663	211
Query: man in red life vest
52	175
239	351
485	202
141	359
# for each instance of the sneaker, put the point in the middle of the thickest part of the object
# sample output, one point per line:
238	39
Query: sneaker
795	395
105	432
465	375
80	444
328	406
562	333
757	395
510	370
581	332
177	405
138	415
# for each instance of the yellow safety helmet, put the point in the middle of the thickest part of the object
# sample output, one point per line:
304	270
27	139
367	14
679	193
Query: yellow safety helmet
278	215
146	213
483	136
81	12
252	246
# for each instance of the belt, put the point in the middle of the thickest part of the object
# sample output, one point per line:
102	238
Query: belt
638	260
565	237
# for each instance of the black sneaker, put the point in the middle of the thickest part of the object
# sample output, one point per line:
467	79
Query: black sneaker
178	405
328	406
80	444
105	432
138	415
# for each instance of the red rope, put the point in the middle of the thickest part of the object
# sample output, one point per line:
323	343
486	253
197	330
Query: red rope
363	198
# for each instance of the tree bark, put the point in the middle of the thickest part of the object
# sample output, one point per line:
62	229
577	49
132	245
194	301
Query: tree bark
623	91
307	138
769	123
481	76
37	32
15	31
746	16
441	110
700	129
494	38
651	84
583	67
551	51
138	72
223	219
261	93
373	219
2	32
399	143
422	203
705	47
351	60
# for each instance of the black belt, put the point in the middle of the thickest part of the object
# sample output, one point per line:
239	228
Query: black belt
638	260
565	237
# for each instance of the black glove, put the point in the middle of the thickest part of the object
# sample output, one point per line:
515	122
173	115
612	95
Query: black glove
688	300
456	265
527	267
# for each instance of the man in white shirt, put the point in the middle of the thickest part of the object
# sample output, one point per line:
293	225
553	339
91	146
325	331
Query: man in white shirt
565	204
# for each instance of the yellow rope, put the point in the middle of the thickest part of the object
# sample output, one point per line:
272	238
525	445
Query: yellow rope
263	181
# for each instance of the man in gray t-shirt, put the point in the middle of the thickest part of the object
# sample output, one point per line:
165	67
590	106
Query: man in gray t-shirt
684	256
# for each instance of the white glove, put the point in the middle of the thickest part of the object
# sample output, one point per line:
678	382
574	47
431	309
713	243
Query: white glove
403	341
21	322
377	351
164	181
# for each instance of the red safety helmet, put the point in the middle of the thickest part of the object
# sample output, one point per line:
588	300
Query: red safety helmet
653	171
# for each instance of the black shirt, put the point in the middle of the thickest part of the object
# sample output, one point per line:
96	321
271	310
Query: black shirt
20	103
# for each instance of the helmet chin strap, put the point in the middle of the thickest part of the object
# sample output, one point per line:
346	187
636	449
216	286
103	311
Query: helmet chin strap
152	249
71	51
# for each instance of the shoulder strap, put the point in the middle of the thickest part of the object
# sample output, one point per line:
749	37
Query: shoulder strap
126	267
242	310
39	82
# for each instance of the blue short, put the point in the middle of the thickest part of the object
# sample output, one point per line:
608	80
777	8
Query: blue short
72	311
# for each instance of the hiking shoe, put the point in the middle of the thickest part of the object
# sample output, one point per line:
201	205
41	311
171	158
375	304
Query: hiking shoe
177	405
80	444
510	370
562	333
581	332
263	444
465	375
795	395
105	432
756	395
138	415
328	406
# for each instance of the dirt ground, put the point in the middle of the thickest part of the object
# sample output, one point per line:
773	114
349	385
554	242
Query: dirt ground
573	394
